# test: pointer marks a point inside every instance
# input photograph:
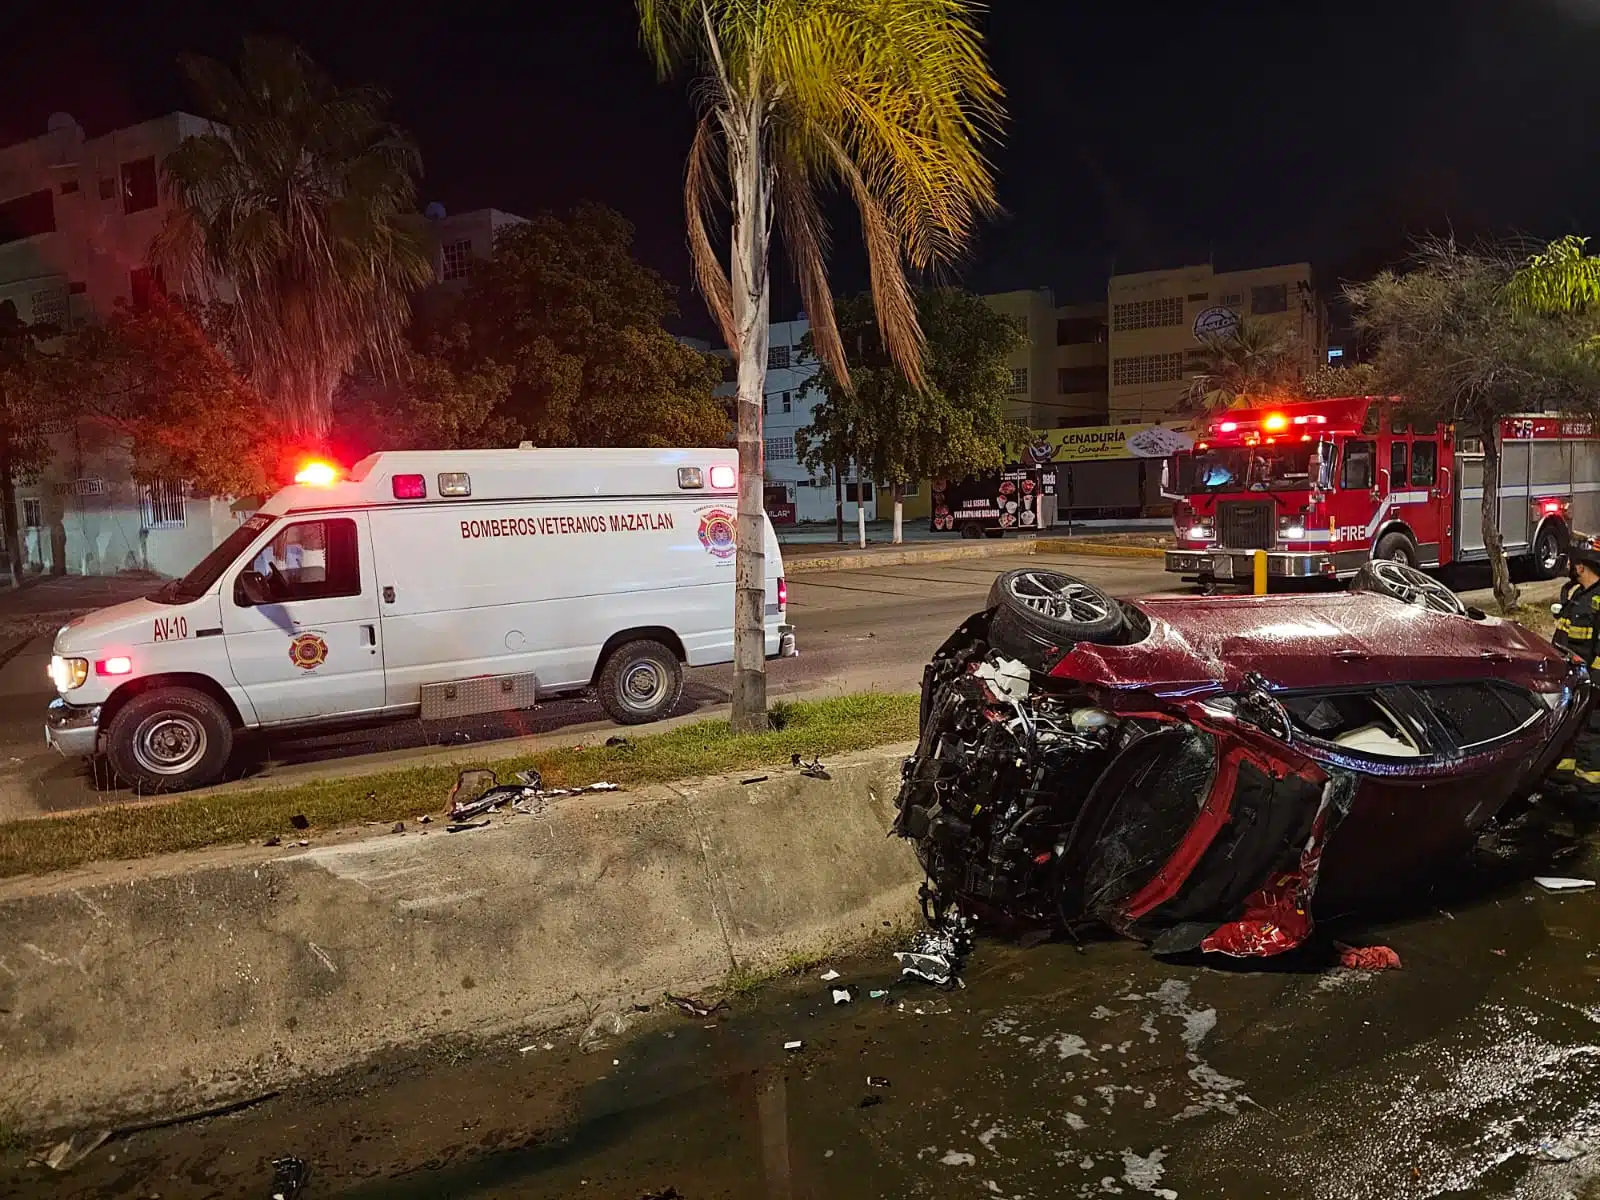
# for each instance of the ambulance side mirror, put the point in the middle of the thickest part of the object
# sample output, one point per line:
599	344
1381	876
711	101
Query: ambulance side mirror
252	589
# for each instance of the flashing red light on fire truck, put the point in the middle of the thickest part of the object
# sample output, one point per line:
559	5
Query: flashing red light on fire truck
1274	422
1228	426
1550	507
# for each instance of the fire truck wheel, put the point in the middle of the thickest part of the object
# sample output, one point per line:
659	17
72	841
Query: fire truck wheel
1548	549
1396	547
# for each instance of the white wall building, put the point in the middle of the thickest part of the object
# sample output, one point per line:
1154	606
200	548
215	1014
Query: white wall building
786	410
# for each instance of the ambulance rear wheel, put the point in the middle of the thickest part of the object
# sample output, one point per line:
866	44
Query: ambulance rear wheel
169	740
641	682
1396	547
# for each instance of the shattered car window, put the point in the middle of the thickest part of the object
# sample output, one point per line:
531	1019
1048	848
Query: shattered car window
1474	713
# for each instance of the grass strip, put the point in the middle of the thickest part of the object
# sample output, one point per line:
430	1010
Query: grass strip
821	727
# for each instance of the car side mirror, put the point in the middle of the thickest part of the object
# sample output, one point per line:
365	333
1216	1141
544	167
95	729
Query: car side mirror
253	587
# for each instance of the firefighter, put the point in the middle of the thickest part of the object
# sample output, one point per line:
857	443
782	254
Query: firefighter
1577	624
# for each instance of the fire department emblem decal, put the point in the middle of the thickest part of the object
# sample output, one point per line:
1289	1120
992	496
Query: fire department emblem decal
308	651
716	532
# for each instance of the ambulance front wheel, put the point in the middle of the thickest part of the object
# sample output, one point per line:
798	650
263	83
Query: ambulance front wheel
641	682
169	739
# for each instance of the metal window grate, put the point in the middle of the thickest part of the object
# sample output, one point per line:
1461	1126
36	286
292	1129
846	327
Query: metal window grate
1160	313
780	449
161	504
455	260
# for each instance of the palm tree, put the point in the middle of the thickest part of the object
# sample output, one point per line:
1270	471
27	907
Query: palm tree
1256	358
1560	279
296	202
892	99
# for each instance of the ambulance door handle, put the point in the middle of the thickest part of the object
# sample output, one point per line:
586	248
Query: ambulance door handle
369	637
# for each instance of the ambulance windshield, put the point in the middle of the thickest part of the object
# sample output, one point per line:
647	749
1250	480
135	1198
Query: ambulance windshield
1245	468
210	568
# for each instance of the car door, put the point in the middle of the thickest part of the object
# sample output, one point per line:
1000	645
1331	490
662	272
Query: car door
314	649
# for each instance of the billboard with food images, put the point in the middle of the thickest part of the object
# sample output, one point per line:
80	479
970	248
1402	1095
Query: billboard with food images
1094	443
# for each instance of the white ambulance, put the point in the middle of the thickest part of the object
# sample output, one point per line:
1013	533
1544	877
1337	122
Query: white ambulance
434	583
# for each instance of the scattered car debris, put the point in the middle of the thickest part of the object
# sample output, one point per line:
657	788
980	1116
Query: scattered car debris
843	995
813	769
619	743
1559	883
65	1155
690	1007
528	1049
299	821
399	827
530	778
829	976
602	786
869	1101
463	826
303	843
754	779
479	791
877	1081
613	1024
289	1176
794	1045
274	840
424	819
1175	769
670	1193
877	993
937	953
1367	958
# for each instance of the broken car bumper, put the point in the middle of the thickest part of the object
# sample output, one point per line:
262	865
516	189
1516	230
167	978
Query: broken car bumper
1241	564
72	729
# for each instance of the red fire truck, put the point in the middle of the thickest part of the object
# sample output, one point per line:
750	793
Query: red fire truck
1325	485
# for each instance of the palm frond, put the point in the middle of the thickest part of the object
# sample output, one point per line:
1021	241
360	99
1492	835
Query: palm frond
805	237
701	191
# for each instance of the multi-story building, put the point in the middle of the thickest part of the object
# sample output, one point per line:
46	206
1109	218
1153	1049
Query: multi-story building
1158	318
1059	376
455	240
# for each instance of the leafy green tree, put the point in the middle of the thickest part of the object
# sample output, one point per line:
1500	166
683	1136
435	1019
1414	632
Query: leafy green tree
951	427
1258	358
575	322
1327	382
298	205
426	404
1561	278
890	99
1456	338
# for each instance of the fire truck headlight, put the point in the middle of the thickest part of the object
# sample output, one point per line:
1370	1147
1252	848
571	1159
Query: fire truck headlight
1199	533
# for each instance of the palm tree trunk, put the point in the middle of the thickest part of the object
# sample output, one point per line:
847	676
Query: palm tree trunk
752	206
1505	592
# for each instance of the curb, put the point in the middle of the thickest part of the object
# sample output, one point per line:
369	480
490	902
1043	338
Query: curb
1095	549
201	978
846	560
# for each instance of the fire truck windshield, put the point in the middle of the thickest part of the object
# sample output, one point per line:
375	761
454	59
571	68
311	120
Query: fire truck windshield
1246	468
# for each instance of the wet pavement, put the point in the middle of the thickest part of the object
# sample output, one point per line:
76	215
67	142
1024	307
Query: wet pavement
1473	1071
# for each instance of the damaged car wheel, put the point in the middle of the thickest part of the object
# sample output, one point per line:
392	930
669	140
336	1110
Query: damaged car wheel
1040	615
1397	580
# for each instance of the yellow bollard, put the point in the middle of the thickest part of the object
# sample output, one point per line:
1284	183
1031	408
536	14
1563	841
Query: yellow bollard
1261	572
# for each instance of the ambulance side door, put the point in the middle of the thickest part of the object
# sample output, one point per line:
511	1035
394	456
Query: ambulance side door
314	648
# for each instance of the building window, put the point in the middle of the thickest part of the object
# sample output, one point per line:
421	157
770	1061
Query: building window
1146	368
1147	314
455	260
787	401
1080	331
1198	297
777	357
1273	298
161	504
1231	300
27	216
1019	381
1080	379
49	307
860	493
138	185
146	283
780	449
32	513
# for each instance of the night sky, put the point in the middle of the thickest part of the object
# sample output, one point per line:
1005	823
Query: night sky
1141	134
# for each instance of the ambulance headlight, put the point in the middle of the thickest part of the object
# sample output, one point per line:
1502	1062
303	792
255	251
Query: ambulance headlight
68	673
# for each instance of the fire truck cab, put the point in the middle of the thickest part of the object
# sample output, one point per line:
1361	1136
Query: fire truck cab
1323	486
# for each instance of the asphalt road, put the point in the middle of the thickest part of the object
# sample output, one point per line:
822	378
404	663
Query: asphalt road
858	630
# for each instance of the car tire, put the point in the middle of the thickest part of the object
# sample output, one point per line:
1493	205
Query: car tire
1397	547
1025	626
642	681
1387	577
169	740
1549	550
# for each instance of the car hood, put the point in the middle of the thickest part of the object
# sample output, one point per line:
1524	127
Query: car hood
1333	640
134	623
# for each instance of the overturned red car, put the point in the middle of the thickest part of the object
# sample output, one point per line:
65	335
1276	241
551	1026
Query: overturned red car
1199	772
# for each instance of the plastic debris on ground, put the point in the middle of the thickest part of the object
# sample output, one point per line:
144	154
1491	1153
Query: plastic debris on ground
288	1177
754	779
1562	883
870	1101
937	954
794	1045
463	826
478	791
690	1007
813	769
399	827
829	976
68	1154
878	993
603	1026
1367	958
619	743
670	1193
877	1081
842	995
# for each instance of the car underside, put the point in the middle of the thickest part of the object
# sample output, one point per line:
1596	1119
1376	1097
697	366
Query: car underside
1090	763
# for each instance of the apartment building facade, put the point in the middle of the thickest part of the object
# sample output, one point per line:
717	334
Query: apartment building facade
1059	377
1157	320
